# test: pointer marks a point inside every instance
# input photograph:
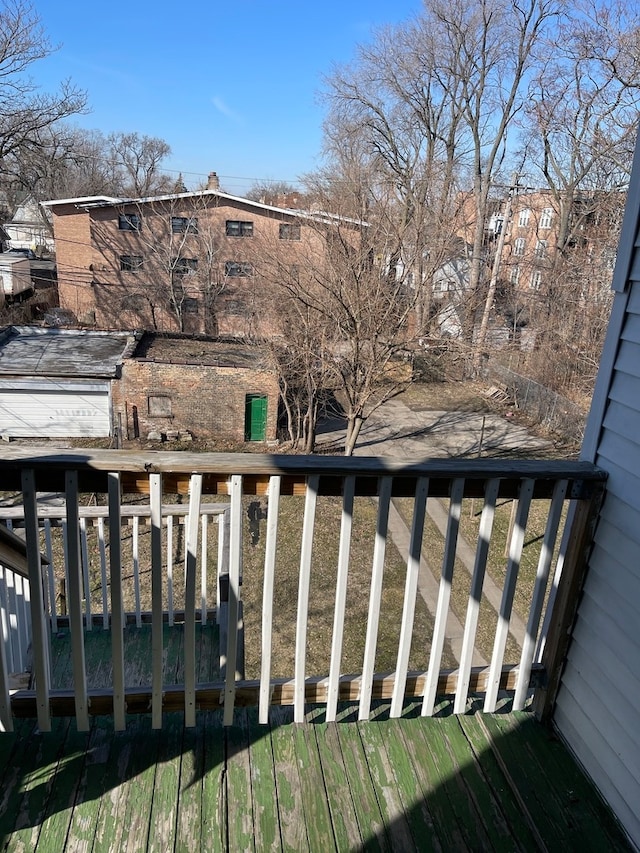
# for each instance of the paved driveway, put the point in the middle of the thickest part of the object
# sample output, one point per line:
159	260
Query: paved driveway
396	430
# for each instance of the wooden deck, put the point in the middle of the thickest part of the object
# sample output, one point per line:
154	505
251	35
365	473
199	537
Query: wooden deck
137	656
471	782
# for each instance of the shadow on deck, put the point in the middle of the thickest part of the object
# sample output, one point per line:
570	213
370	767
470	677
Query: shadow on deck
471	782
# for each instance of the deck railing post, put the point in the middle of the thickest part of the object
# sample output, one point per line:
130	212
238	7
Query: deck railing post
267	597
155	487
574	552
40	634
191	555
74	595
506	603
375	595
117	610
342	576
304	580
233	606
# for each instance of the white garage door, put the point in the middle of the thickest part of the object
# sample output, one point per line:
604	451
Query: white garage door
54	409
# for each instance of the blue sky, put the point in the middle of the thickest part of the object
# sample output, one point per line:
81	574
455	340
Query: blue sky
232	87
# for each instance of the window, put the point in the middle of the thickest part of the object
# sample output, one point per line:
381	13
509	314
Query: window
182	266
190	305
237	269
536	280
515	274
237	228
184	225
159	406
523	219
131	263
545	217
289	231
541	249
129	222
518	246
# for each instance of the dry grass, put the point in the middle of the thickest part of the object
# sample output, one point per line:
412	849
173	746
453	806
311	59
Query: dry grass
322	594
433	550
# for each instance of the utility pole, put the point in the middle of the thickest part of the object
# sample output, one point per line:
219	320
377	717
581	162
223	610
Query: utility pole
497	260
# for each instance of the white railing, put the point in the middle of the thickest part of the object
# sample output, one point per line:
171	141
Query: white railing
298	497
94	545
15	620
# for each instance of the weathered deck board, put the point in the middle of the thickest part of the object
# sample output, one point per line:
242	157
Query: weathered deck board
137	654
586	822
447	783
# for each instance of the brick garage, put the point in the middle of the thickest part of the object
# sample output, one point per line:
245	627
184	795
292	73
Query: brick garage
173	386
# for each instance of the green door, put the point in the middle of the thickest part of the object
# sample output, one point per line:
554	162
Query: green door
255	417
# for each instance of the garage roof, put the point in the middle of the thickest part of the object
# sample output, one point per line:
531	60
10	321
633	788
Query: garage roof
36	351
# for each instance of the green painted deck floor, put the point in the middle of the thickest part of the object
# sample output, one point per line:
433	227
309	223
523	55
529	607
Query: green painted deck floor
475	782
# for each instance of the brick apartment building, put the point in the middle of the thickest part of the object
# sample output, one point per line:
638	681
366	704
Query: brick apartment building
198	262
538	228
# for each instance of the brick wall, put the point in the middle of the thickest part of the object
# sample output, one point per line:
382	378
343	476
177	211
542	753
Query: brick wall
74	257
91	250
207	401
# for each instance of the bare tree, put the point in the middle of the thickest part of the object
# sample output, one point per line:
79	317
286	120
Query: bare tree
67	162
345	320
277	193
138	160
432	102
582	110
25	112
172	273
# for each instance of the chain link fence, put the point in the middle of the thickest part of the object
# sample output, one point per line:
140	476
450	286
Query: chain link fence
553	411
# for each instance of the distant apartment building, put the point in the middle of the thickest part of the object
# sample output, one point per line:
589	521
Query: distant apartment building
199	262
539	230
553	254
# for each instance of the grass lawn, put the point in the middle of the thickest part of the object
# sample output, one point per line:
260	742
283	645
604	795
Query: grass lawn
433	550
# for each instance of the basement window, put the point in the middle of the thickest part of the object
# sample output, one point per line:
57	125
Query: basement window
159	406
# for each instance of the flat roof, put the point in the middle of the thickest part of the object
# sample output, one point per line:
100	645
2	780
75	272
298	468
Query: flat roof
89	202
41	352
177	349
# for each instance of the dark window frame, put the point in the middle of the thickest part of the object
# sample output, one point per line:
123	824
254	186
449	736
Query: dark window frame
129	222
244	228
238	269
131	263
183	266
289	231
184	224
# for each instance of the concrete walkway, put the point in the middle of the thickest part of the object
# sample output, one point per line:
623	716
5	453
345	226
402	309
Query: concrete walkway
395	430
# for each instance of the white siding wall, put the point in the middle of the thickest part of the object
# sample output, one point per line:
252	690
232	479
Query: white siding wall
598	708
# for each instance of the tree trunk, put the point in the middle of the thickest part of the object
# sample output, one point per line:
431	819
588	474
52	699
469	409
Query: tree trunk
354	424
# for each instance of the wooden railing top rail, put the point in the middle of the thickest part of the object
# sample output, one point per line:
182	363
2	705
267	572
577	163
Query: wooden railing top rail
16	513
94	465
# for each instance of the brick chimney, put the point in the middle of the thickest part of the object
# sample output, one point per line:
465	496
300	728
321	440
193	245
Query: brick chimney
213	182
